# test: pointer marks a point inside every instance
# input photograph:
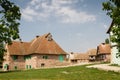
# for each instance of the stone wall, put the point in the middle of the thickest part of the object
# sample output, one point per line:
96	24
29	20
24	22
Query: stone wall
17	64
39	61
108	57
82	60
104	57
33	61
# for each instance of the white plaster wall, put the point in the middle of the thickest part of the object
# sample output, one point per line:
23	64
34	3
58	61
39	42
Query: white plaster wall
114	60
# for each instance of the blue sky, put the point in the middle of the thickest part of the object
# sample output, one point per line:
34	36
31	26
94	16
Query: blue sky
76	25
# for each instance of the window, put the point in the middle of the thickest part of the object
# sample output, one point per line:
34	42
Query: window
27	57
15	57
15	67
61	58
104	56
26	66
6	66
42	64
30	66
45	57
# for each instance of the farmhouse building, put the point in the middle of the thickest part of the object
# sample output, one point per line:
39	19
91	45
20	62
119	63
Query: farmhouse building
42	51
104	52
114	57
92	53
80	57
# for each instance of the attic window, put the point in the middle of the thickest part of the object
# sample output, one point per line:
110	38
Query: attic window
37	36
49	37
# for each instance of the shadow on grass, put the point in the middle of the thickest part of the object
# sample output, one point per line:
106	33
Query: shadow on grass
10	71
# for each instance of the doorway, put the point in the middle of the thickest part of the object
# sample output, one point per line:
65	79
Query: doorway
61	58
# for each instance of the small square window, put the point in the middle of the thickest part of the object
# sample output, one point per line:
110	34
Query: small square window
26	66
15	57
15	67
45	57
27	57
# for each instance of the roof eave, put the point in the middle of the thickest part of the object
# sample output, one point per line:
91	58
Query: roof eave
109	29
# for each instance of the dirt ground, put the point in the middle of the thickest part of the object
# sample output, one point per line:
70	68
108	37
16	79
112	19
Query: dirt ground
106	67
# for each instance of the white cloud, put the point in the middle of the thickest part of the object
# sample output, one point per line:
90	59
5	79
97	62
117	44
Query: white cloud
43	10
30	14
81	0
72	16
34	2
85	5
79	34
29	11
65	1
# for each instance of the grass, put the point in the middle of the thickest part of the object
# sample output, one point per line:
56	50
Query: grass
104	62
70	73
115	65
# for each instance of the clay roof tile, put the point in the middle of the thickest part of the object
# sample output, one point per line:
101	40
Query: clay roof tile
18	48
104	49
40	45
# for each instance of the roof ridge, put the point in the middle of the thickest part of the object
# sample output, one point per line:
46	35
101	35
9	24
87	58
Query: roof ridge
41	45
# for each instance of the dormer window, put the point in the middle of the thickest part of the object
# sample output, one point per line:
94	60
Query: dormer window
49	37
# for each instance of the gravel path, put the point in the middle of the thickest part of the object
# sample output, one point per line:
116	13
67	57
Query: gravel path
77	64
105	67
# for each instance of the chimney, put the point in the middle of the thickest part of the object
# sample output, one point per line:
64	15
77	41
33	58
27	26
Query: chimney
21	40
37	36
103	43
72	53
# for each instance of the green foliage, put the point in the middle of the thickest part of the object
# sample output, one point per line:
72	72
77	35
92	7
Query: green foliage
1	51
115	65
107	41
9	17
113	10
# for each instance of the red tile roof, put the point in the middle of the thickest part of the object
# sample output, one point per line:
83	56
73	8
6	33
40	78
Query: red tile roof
18	48
92	52
104	49
81	56
40	45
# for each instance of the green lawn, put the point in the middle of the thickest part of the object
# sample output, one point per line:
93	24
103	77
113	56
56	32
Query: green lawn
70	73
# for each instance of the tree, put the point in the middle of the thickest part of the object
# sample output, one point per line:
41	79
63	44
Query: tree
107	41
113	10
9	22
